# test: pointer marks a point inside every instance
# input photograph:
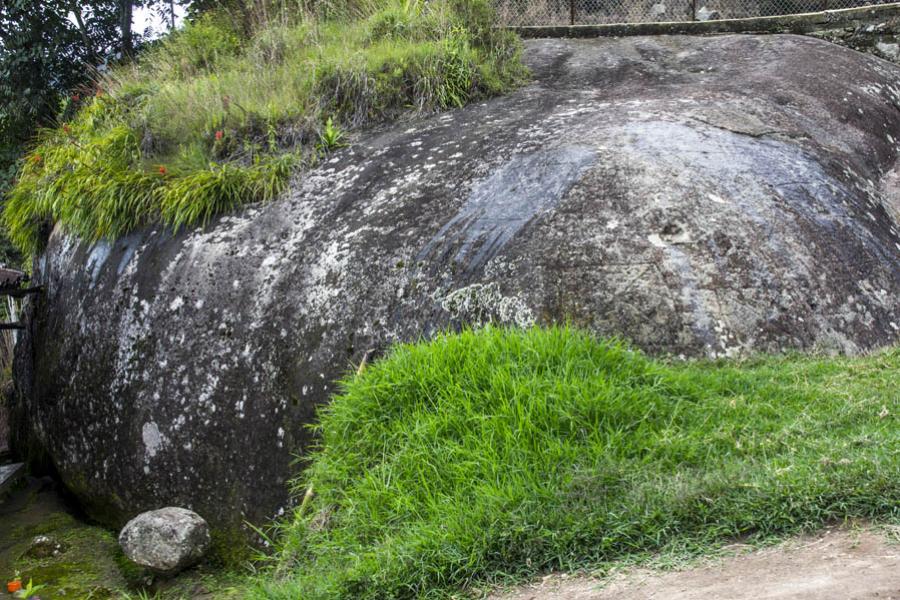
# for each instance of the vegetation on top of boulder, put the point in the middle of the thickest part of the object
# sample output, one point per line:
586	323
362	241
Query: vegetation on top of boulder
495	455
214	116
51	47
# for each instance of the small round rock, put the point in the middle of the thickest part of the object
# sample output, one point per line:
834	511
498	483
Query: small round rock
166	540
45	546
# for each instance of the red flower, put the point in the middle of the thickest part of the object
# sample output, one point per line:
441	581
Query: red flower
162	170
219	135
67	129
36	158
76	97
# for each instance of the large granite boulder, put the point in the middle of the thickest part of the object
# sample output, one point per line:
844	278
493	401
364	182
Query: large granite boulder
698	196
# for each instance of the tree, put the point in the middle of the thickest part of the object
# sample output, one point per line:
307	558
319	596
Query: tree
49	48
44	53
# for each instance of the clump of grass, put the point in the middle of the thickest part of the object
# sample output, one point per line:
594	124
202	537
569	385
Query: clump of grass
213	117
498	454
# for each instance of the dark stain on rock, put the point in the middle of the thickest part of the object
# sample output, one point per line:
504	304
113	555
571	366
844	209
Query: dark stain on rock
521	190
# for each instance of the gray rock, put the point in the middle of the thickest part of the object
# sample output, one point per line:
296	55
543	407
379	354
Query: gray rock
705	14
165	541
890	51
10	475
45	546
700	196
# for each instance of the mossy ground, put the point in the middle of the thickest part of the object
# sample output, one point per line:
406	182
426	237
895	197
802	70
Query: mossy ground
92	566
87	569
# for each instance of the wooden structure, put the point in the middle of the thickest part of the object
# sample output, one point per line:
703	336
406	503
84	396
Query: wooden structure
13	283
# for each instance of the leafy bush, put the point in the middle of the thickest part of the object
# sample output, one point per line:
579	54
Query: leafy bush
198	48
208	120
500	454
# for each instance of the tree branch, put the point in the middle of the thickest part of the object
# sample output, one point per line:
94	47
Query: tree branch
79	20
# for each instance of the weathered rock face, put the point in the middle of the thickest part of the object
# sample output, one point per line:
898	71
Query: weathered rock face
165	541
698	196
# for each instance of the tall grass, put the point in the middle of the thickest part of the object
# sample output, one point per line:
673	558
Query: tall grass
223	111
491	455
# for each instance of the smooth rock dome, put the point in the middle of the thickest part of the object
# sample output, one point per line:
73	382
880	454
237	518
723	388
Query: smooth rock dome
699	196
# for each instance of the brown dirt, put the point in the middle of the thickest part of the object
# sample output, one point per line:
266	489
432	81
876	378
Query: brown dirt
835	565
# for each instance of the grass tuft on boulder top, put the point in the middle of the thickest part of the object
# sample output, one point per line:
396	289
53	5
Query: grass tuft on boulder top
495	455
214	117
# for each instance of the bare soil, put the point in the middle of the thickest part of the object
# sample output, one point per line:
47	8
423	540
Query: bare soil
838	564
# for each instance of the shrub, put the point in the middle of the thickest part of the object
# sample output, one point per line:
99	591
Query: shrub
198	48
209	120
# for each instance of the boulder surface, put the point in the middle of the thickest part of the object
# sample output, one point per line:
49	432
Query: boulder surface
165	541
699	196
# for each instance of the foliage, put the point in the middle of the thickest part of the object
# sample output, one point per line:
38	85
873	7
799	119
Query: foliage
490	455
196	127
331	137
41	53
196	49
48	50
30	590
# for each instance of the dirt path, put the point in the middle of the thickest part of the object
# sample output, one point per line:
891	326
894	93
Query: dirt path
835	565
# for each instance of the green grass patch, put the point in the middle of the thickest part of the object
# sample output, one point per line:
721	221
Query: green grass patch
495	455
212	118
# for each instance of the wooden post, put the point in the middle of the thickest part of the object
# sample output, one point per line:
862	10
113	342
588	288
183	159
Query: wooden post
571	12
693	10
18	293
